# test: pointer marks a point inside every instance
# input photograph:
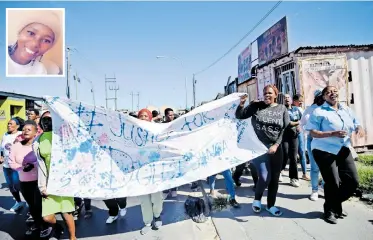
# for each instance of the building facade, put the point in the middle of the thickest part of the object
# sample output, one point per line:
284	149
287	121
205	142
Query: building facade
14	105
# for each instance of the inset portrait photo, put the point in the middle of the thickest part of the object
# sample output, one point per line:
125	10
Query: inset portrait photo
35	40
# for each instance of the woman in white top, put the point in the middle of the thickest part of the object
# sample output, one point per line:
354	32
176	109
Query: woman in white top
36	35
11	176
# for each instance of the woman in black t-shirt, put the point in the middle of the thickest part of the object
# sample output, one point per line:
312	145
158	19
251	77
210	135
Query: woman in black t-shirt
269	120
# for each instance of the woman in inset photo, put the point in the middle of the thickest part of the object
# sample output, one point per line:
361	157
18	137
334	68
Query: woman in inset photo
35	42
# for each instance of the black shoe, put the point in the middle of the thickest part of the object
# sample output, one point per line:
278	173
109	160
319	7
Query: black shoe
88	214
341	215
329	217
194	187
58	231
157	222
46	232
237	182
30	219
234	203
31	230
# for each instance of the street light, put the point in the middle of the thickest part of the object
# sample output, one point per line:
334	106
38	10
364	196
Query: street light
185	82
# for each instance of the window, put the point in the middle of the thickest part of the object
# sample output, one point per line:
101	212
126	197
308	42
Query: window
285	80
14	110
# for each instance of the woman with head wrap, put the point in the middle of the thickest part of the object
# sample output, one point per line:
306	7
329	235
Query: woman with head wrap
51	204
151	204
36	35
11	176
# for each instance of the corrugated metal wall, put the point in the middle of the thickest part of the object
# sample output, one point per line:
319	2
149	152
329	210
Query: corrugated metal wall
360	64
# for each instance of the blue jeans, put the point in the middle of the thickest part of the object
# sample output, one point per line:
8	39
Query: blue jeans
315	172
302	152
268	167
229	185
12	179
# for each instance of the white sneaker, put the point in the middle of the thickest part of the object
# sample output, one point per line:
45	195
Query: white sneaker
314	196
174	194
281	179
123	212
111	219
294	183
16	207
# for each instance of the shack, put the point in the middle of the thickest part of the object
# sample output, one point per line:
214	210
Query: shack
349	67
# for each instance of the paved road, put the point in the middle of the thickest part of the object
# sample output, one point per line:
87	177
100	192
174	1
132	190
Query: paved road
176	223
301	219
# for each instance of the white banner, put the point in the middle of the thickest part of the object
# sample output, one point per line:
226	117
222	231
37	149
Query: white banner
99	153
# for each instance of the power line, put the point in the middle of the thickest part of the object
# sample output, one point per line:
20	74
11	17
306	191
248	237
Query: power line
243	38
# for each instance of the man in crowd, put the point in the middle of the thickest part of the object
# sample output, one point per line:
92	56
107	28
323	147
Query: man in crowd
157	118
170	116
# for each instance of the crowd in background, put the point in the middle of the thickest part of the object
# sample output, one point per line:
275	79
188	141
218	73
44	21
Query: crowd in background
322	132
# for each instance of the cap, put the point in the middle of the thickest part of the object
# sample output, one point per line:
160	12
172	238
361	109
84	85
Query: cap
49	17
317	93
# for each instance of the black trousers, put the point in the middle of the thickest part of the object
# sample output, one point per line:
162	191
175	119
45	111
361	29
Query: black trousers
340	177
290	149
87	203
32	196
239	171
115	204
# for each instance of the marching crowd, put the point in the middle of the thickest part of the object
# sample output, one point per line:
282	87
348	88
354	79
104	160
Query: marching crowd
323	130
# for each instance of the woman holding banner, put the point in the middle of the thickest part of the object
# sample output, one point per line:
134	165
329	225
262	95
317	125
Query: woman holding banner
269	120
151	204
51	204
23	159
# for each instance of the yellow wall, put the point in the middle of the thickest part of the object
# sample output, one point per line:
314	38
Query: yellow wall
6	106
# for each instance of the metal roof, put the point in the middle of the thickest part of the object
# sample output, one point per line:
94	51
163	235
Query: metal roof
334	48
322	50
21	96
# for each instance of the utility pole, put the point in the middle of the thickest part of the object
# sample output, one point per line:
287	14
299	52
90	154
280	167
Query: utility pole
68	72
108	80
76	79
194	91
138	101
115	89
93	93
186	93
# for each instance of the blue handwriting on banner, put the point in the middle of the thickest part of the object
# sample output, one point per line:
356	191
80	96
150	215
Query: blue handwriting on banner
178	168
198	121
81	110
241	126
139	136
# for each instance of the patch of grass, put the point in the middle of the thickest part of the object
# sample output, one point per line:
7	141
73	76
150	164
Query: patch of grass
220	203
365	173
366	159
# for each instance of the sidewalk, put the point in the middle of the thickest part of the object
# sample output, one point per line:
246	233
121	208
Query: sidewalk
301	219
